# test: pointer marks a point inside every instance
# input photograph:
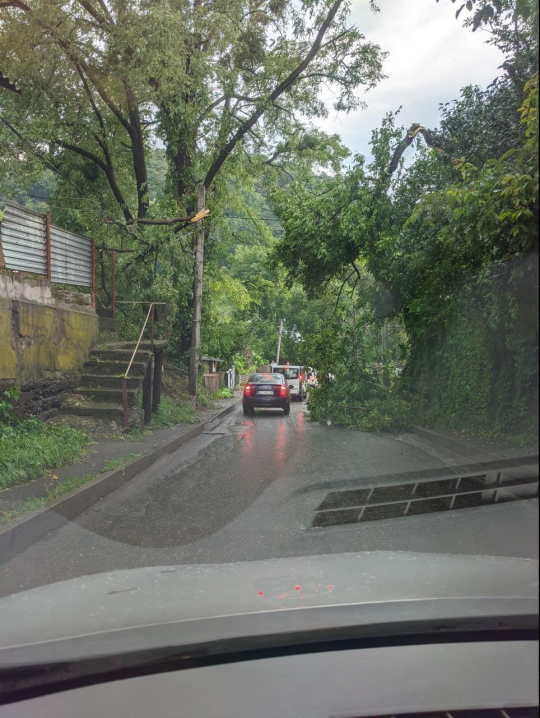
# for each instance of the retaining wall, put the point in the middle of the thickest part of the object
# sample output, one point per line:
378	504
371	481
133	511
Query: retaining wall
41	337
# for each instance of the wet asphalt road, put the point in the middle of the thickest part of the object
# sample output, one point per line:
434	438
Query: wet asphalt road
248	488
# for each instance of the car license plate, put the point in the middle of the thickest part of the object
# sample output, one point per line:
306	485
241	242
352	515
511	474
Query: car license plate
267	393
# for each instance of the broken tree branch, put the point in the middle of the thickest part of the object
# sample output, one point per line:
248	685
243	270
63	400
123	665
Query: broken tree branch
413	132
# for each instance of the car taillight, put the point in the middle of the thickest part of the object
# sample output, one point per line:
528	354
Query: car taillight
247	390
283	390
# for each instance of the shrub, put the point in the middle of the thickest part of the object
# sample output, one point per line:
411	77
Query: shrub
223	393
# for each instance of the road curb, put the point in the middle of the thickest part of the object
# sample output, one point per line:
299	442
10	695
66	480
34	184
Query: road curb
32	527
479	454
454	445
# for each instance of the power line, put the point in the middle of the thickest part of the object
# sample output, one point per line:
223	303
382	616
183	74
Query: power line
53	167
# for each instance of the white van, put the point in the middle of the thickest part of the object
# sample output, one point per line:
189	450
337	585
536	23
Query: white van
296	379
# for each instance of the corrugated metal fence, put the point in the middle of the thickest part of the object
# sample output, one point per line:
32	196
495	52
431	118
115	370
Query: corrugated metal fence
30	243
71	258
24	241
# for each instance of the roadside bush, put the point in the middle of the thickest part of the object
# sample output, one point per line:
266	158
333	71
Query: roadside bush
7	401
205	400
223	393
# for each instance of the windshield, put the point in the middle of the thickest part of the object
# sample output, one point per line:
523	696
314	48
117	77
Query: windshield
265	379
269	289
289	373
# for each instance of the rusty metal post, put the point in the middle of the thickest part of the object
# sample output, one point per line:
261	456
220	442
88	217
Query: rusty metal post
147	393
156	387
125	401
93	290
48	245
113	282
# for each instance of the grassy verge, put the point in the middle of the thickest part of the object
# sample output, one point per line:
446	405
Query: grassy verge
119	460
54	491
171	413
133	435
31	447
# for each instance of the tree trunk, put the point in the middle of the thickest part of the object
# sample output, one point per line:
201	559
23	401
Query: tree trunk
355	335
384	335
197	298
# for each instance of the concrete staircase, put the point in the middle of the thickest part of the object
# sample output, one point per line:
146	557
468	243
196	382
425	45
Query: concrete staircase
100	392
107	322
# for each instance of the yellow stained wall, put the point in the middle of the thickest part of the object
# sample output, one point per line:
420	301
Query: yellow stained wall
8	358
39	341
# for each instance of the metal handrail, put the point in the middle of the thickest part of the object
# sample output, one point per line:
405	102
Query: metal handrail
151	309
163	317
125	376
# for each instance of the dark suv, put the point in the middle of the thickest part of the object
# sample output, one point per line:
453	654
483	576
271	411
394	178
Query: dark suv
266	390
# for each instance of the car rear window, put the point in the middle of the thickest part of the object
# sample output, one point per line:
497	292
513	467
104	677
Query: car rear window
290	373
265	379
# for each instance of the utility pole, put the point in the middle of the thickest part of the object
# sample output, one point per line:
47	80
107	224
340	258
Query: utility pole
279	340
197	296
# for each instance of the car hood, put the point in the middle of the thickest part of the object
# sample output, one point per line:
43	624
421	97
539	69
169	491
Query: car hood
153	596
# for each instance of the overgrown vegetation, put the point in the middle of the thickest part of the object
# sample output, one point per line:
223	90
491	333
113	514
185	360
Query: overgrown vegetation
205	400
223	393
170	414
30	447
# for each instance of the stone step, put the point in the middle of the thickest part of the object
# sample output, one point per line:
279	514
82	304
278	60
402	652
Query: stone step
120	355
146	344
108	396
109	381
104	312
108	324
115	368
97	410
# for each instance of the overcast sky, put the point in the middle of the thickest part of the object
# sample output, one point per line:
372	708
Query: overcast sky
431	58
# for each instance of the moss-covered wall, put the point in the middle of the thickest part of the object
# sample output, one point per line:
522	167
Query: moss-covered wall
8	357
39	341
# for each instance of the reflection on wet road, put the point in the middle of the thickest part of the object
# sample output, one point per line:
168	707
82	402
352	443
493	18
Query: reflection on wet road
249	491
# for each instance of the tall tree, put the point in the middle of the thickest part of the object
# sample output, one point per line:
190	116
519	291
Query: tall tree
210	80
